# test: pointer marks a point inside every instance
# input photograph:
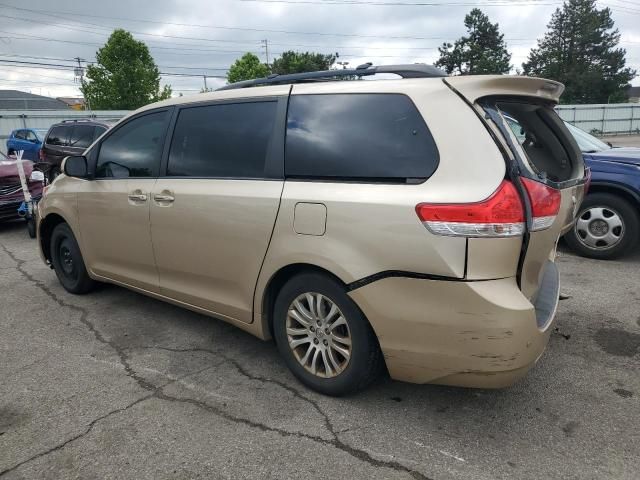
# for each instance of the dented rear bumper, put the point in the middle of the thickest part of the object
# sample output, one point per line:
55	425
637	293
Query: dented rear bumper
484	334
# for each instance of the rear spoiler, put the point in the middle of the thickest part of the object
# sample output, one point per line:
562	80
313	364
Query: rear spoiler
474	87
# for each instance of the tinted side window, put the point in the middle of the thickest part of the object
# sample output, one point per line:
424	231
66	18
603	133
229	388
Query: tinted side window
20	135
58	135
133	150
379	137
226	140
98	131
81	136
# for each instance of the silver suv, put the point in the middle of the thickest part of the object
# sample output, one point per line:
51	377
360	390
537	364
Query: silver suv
363	225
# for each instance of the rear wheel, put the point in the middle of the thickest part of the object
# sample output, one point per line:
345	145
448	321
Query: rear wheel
323	336
607	227
67	261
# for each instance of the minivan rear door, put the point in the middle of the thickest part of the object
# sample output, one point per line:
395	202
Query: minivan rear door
518	112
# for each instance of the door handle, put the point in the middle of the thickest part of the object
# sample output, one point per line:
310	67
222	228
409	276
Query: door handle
163	198
138	197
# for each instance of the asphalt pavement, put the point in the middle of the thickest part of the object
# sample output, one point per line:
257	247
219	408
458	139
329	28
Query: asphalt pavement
117	385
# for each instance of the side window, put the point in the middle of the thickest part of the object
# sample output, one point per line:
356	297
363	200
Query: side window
372	137
81	136
58	135
30	136
98	131
134	149
223	141
20	135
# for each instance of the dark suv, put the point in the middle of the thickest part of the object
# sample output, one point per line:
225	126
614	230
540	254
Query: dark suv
69	137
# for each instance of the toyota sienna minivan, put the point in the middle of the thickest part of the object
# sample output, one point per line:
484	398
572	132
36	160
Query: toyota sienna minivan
393	224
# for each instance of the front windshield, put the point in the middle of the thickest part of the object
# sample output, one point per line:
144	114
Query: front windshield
587	143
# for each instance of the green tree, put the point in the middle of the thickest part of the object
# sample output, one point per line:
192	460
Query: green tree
247	67
580	50
298	62
125	76
483	51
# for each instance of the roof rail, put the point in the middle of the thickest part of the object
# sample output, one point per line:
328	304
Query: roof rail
414	70
73	120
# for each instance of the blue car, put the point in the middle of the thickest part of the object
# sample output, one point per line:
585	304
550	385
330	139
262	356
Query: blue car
27	139
607	225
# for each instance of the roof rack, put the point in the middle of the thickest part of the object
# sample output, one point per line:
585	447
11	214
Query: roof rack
74	120
415	70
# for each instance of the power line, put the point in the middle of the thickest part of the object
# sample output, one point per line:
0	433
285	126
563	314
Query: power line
219	27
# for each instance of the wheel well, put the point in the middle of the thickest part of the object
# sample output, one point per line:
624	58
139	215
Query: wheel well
278	280
622	193
46	229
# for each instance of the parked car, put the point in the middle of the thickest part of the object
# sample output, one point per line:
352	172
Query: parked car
29	140
69	137
350	221
608	224
11	193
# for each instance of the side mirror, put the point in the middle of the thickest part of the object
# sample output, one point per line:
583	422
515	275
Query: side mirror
610	144
75	166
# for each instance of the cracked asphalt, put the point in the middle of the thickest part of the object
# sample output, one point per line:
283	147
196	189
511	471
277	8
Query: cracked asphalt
117	385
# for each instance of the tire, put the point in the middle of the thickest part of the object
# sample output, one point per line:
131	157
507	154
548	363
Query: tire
607	227
31	228
343	375
53	173
67	261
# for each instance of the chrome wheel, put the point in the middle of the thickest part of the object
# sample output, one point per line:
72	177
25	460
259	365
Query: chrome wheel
599	228
319	335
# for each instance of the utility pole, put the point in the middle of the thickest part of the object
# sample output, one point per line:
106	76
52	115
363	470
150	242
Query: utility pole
78	73
205	83
265	45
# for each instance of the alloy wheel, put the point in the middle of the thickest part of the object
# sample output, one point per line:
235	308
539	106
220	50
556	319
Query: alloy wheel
319	335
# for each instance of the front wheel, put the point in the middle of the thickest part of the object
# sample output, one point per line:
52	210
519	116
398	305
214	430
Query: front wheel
323	336
607	227
67	261
31	227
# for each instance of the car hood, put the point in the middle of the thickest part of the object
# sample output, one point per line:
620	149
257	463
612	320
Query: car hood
9	170
628	155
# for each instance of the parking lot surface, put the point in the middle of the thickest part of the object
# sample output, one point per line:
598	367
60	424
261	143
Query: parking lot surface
117	385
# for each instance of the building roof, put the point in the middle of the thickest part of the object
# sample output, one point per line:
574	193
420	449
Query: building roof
71	101
17	100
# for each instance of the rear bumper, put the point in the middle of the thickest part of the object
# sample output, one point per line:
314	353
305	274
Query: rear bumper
483	334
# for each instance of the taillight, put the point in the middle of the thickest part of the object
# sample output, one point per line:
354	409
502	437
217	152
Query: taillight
41	155
545	203
500	215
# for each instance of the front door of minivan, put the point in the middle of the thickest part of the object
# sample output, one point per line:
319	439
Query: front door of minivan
114	207
213	213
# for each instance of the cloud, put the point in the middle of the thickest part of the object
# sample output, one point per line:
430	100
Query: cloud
182	37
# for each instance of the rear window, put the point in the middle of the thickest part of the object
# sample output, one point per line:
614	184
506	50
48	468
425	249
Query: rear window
81	136
370	137
550	149
58	135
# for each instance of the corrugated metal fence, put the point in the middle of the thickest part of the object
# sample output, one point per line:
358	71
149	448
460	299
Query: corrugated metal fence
615	118
13	119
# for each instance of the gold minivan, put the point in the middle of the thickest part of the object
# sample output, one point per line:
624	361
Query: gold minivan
363	225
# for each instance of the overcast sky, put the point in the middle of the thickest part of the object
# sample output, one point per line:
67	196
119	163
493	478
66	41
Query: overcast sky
205	36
